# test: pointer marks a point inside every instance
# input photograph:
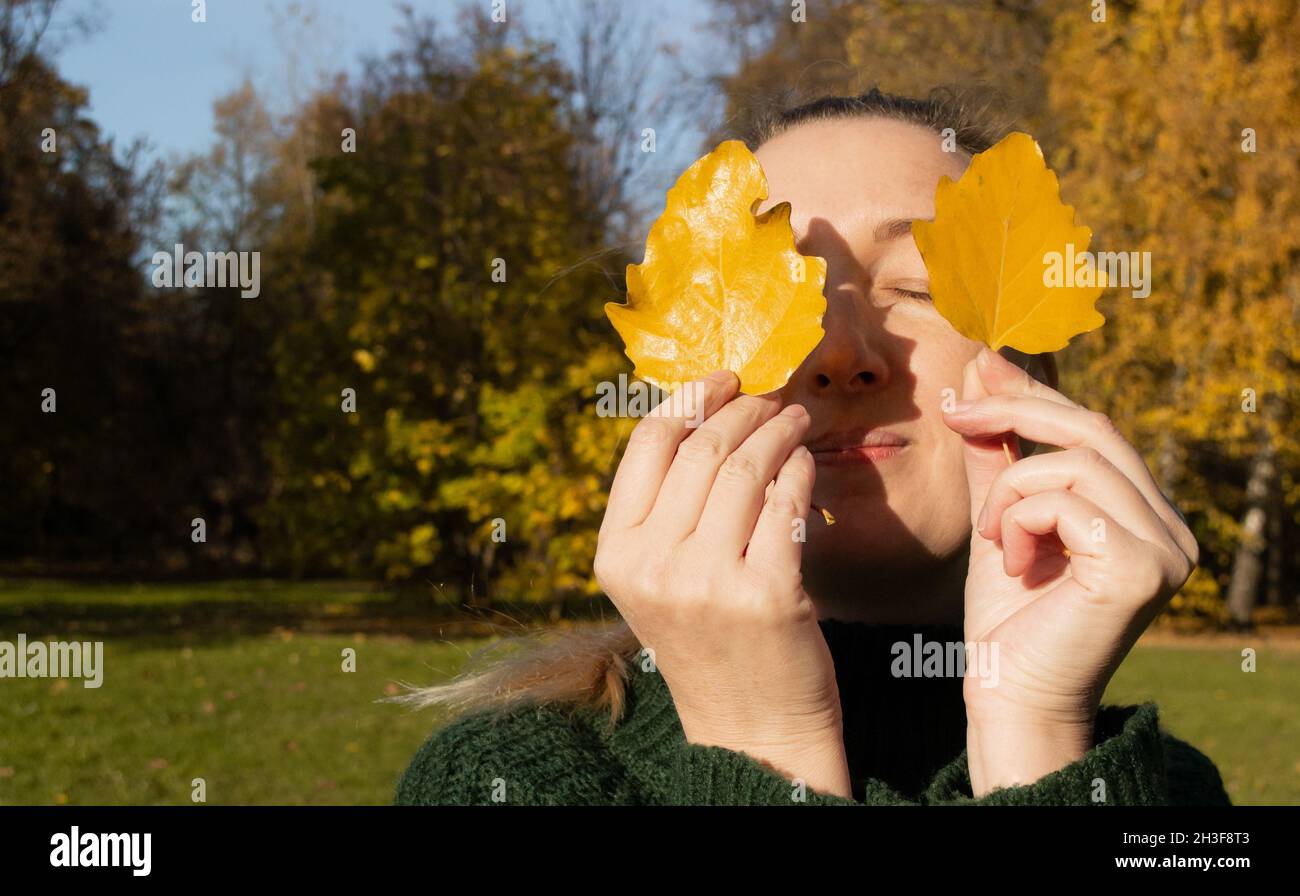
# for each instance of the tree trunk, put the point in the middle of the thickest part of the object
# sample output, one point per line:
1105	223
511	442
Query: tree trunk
1168	461
1275	560
1247	565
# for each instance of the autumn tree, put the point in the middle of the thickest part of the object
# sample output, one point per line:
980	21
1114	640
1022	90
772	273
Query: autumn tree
1181	143
1171	125
447	290
74	405
212	343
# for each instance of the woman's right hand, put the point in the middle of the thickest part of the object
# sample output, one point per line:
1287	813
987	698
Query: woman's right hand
700	551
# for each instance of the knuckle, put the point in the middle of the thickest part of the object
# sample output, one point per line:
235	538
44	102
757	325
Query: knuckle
600	568
1102	424
609	586
742	469
804	610
646	584
786	429
782	506
802	475
695	390
1150	575
1186	554
704	446
781	600
652	432
753	411
630	580
1088	455
610	571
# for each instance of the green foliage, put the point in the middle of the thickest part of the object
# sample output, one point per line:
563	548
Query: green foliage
473	396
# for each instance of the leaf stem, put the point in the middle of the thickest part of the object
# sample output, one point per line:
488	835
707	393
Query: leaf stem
826	514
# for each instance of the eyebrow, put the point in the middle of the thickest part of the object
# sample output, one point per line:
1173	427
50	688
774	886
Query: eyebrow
893	228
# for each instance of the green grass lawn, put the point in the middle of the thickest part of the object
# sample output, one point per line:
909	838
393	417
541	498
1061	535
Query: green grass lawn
1247	722
271	718
265	719
27	593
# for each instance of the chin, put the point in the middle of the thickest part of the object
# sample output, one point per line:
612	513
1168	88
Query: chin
863	539
876	569
870	536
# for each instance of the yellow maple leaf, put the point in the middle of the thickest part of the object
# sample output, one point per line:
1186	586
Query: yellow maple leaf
720	287
988	248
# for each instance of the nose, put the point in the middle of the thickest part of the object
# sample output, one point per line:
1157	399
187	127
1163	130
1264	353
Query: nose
848	361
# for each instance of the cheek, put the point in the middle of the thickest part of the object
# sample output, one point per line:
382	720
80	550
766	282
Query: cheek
950	520
938	366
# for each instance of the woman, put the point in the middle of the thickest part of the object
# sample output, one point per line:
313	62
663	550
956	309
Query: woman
757	667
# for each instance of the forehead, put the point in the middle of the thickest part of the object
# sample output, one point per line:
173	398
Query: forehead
853	171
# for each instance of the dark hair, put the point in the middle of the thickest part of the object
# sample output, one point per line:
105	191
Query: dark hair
969	115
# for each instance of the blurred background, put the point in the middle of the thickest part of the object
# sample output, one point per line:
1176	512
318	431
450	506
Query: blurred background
547	140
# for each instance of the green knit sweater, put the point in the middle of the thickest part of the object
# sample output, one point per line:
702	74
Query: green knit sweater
905	740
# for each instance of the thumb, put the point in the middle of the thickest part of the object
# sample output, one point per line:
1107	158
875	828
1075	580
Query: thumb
985	458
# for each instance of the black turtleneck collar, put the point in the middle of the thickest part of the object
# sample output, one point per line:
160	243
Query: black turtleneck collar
899	730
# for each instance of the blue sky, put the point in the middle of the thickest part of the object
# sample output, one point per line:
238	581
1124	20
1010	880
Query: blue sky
152	72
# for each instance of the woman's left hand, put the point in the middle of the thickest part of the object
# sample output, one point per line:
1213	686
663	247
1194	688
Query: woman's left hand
1072	554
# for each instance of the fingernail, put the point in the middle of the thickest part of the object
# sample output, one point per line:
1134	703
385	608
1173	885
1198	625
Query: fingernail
962	407
794	410
720	376
801	452
979	523
997	358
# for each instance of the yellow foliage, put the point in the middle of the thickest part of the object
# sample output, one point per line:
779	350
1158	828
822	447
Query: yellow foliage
987	248
721	287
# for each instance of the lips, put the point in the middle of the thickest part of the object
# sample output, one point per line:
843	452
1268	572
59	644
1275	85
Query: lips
848	448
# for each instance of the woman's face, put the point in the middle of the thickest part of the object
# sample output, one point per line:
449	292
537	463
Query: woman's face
879	376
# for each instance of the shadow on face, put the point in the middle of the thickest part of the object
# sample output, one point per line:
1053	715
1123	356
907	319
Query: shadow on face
887	467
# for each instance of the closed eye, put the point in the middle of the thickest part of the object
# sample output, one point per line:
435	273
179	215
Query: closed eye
912	294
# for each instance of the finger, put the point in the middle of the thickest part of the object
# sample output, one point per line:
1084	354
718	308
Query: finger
777	540
1001	376
689	480
983	457
653	443
1052	423
1082	471
1095	551
736	499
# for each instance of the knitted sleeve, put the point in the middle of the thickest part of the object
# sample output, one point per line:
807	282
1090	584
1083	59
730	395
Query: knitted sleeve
1132	764
716	776
543	756
535	756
